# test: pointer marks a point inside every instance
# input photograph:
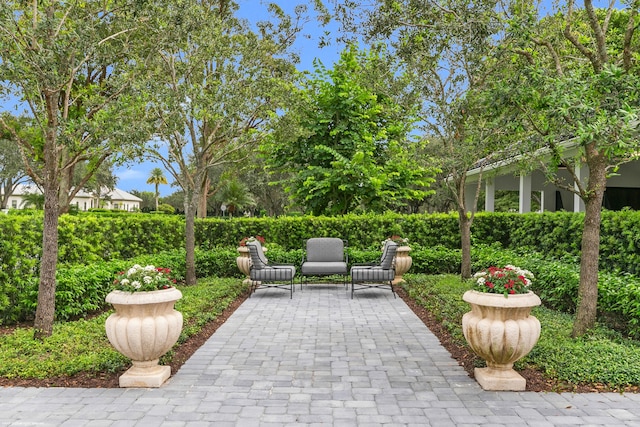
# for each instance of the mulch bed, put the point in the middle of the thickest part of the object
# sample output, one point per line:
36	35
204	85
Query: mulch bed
536	381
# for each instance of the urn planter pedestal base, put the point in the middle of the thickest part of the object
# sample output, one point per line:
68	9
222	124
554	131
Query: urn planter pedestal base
499	379
145	374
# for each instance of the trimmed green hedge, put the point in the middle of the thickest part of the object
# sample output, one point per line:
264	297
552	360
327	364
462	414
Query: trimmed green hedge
92	247
81	289
89	238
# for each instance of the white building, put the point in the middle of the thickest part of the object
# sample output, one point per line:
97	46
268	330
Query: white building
115	200
623	188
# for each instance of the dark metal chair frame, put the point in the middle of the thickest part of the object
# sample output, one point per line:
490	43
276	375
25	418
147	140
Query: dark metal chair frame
265	274
376	275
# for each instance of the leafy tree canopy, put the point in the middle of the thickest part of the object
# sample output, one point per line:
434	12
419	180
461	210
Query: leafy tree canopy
352	148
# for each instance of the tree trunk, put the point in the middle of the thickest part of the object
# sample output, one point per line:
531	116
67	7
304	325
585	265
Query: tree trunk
204	194
588	290
4	198
45	310
157	196
465	243
190	203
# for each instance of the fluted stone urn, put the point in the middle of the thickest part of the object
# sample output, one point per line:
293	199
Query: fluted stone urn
500	330
145	326
402	263
244	262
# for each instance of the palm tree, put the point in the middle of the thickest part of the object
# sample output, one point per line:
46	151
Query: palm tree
236	196
33	199
157	177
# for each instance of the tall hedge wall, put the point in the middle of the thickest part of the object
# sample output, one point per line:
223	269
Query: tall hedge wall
88	238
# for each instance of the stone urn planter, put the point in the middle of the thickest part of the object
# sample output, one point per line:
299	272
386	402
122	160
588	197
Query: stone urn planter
244	262
500	330
145	326
402	263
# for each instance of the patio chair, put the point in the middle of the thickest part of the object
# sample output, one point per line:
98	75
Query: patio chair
325	256
264	274
376	275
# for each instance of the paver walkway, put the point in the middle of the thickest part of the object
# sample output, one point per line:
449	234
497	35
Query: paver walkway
320	359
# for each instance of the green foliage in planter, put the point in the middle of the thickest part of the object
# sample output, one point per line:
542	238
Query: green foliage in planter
82	345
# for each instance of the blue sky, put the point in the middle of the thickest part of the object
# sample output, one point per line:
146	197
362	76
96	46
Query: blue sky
134	176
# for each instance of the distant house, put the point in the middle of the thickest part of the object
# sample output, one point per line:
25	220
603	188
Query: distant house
623	189
115	199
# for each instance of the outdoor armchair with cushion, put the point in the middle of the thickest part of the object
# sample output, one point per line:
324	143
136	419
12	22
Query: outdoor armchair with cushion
325	256
269	275
376	275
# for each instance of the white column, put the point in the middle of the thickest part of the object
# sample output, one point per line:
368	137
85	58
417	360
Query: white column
525	193
578	204
489	195
470	195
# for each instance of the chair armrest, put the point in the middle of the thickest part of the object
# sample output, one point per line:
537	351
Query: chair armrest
364	264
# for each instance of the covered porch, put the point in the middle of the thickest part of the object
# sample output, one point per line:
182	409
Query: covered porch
623	189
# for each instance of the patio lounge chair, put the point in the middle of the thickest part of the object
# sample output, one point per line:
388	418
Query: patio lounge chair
376	275
268	275
325	256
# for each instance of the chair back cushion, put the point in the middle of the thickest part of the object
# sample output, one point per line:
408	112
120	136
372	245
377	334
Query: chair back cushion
258	260
388	254
325	249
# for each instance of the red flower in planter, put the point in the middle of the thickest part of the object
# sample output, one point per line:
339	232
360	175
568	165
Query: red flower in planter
244	240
